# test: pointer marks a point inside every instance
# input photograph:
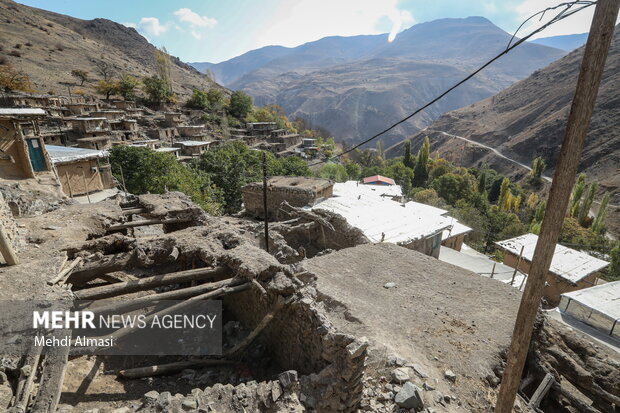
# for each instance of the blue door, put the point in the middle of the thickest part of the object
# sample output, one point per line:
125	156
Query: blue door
36	155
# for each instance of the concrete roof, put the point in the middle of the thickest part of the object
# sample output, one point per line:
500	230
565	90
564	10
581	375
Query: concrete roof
375	214
295	182
66	154
167	149
457	229
567	263
22	112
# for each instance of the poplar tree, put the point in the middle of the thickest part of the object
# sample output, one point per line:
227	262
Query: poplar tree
599	222
504	195
408	160
482	182
420	173
580	185
587	203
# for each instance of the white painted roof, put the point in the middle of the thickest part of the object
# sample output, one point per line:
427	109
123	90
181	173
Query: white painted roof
364	207
457	229
192	143
65	154
22	112
354	188
567	263
167	149
604	298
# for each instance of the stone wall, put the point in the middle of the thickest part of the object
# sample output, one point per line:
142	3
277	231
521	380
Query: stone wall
297	197
300	338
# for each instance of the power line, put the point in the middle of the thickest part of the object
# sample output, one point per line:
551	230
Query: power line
566	12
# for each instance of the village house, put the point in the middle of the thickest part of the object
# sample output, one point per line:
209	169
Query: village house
378	180
192	131
597	307
297	191
162	134
192	148
91	126
261	128
166	149
147	143
22	149
95	142
570	269
173	119
124	104
81	108
109	114
81	171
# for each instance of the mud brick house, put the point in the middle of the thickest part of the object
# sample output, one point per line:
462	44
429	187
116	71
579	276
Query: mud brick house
261	128
91	126
108	114
192	148
297	191
174	151
173	119
124	104
95	142
570	269
82	108
22	149
81	171
192	131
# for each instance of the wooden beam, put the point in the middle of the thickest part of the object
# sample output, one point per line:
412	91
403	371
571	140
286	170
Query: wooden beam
144	222
148	283
131	211
7	249
52	377
62	275
541	391
592	65
180	294
170	368
25	383
109	263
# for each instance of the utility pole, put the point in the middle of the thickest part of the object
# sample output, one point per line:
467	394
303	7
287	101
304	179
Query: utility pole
265	201
592	65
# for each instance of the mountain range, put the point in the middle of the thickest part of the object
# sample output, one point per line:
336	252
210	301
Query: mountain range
47	46
528	120
355	86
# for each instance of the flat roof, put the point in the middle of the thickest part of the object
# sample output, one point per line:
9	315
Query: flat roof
604	298
66	154
456	230
94	138
567	263
193	143
89	118
22	112
376	215
167	149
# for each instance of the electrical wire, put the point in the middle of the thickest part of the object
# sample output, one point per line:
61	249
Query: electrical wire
566	12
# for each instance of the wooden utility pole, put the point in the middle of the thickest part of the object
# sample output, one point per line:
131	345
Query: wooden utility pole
592	65
265	202
514	274
6	248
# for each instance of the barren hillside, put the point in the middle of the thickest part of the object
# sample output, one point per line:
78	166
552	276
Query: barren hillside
47	46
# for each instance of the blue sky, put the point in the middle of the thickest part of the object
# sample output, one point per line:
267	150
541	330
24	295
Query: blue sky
217	30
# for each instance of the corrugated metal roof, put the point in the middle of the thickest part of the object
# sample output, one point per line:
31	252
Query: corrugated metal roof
65	154
567	263
376	214
379	178
22	112
604	298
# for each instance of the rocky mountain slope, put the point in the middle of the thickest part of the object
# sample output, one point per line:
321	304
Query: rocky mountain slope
356	86
528	120
566	42
47	46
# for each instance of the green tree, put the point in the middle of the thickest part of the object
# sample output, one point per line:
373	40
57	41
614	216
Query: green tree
198	100
147	171
584	209
402	175
81	75
452	187
613	271
420	173
127	87
216	99
599	222
482	182
380	149
354	170
538	167
408	160
240	104
107	88
164	68
334	171
157	89
578	189
505	196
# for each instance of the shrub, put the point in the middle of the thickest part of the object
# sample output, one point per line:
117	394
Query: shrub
17	46
29	44
15	53
59	47
3	60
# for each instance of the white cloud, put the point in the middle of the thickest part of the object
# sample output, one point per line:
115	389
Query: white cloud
149	26
301	21
189	16
196	35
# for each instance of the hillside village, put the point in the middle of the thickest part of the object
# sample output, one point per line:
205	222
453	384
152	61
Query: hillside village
366	283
